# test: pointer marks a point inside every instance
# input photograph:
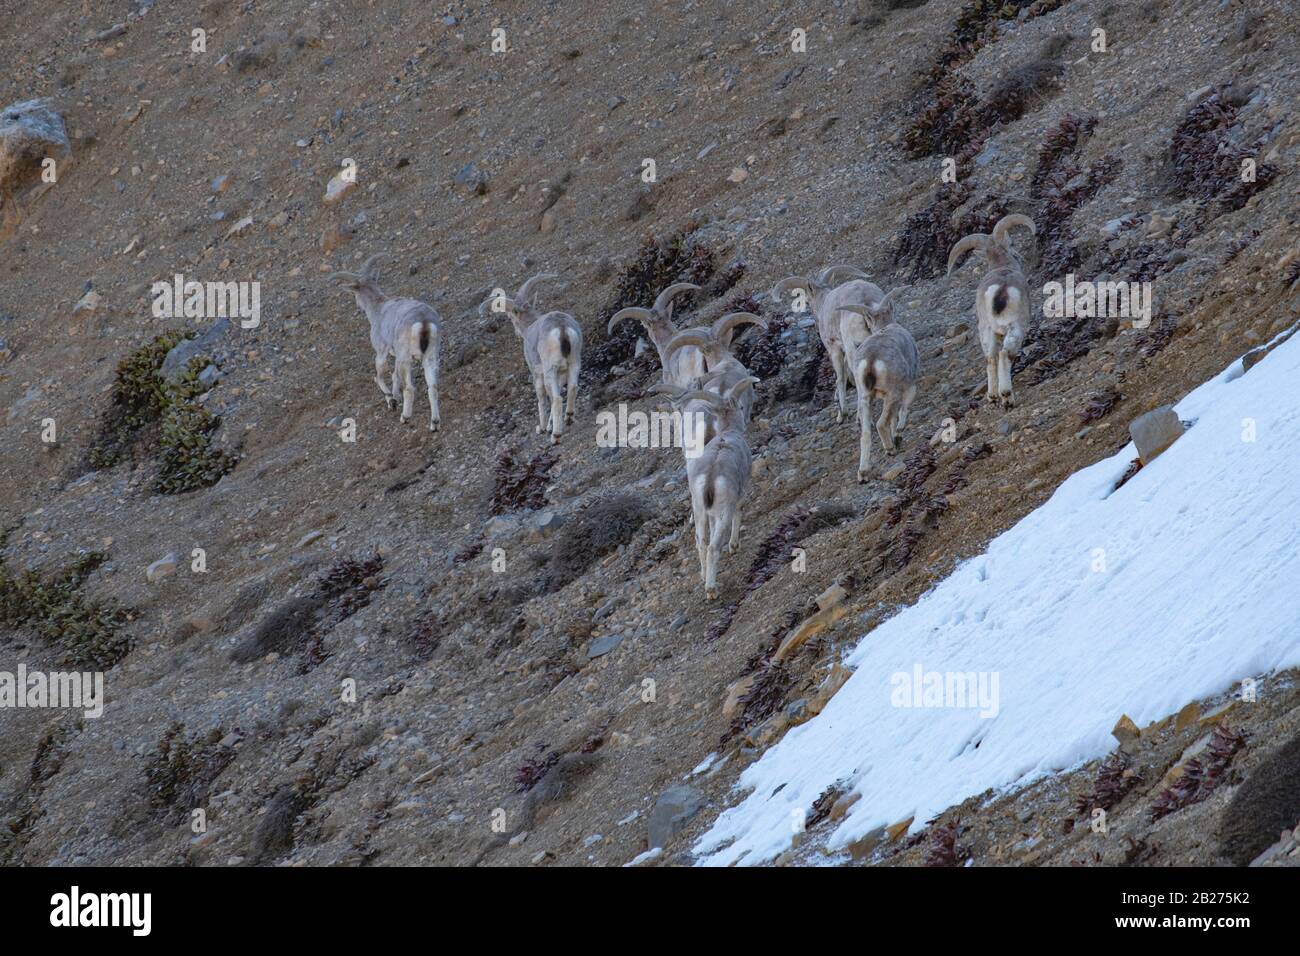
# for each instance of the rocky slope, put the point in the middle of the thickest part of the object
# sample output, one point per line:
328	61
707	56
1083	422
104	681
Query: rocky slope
523	626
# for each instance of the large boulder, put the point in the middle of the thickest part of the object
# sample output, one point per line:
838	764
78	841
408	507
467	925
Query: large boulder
1155	431
179	357
672	811
30	132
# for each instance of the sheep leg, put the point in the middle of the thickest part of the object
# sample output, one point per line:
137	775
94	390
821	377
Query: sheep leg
381	362
864	439
1004	380
1011	343
886	422
700	518
735	530
408	388
905	406
540	389
901	411
431	383
992	391
571	392
841	383
713	555
557	405
397	377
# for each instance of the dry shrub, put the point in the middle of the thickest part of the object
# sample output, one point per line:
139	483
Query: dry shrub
950	124
87	633
1062	187
1267	803
1100	405
775	552
1020	91
953	123
530	774
182	769
597	530
521	484
922	248
1203	161
1113	781
659	263
910	515
1201	775
300	624
944	850
772	682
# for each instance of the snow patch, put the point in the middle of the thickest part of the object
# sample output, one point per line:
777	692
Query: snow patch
1099	603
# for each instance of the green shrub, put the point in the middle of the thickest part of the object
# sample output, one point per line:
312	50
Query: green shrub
182	769
87	632
156	416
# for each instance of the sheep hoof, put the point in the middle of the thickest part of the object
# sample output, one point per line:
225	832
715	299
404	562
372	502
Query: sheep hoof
862	476
537	430
405	419
433	426
555	439
710	594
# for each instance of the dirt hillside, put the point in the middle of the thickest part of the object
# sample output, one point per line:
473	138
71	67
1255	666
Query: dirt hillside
471	647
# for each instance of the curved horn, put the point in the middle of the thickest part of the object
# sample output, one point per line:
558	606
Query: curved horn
887	302
664	301
485	307
527	287
788	283
350	276
866	311
832	275
368	270
976	240
677	395
663	388
700	395
725	326
631	312
1007	222
700	338
733	393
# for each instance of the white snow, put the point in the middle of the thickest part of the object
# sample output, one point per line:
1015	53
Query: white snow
704	765
653	853
1201	552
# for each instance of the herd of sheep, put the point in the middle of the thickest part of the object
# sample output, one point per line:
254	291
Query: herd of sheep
704	380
